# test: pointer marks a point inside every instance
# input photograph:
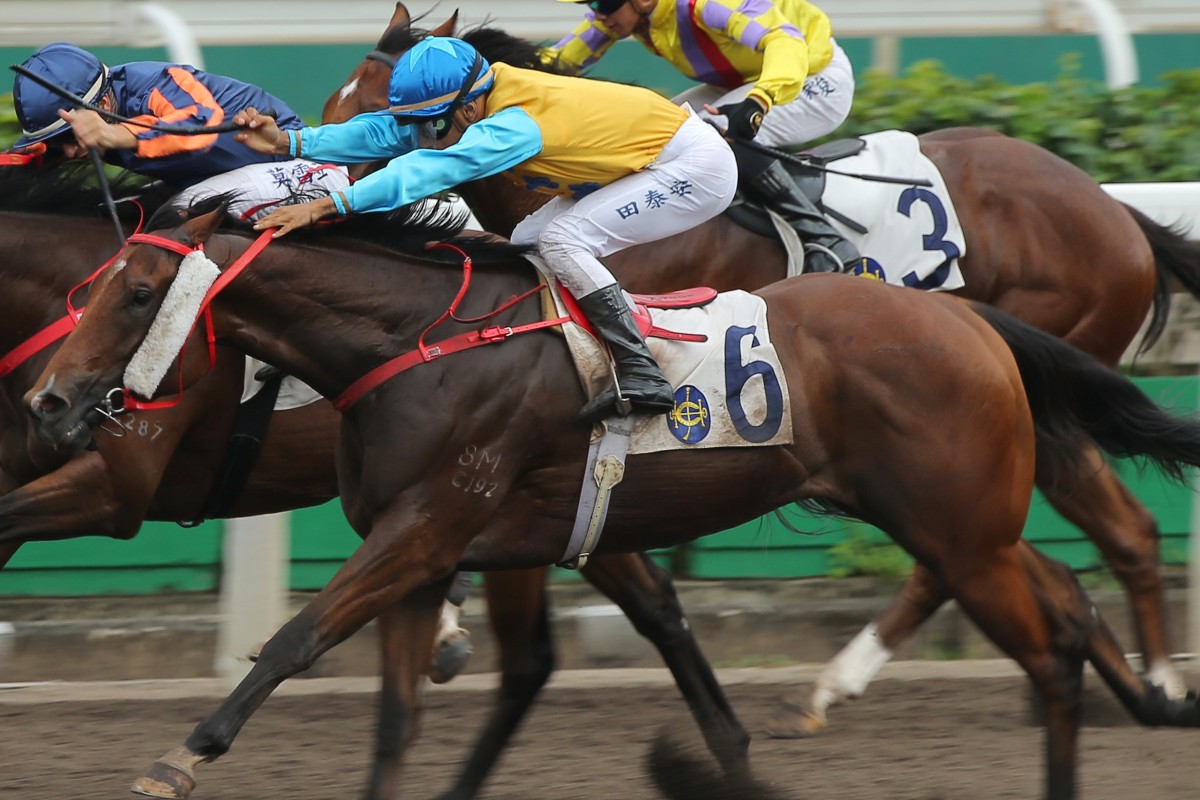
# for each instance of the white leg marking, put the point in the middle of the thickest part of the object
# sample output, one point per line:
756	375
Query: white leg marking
848	674
1161	673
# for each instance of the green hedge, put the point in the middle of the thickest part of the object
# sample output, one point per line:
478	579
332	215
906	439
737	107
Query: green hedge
1134	134
1126	135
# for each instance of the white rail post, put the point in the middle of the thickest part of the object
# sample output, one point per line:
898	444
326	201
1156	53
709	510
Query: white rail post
1120	57
254	590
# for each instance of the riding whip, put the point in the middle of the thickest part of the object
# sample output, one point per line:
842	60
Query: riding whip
802	161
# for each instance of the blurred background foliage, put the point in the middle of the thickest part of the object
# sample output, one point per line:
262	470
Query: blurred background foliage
1133	134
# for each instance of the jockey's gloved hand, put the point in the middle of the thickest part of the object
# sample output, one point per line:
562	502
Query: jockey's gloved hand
745	118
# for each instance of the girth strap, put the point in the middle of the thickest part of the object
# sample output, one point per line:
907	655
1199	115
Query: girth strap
605	469
241	454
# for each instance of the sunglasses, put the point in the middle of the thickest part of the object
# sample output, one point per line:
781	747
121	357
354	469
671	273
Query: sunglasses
604	7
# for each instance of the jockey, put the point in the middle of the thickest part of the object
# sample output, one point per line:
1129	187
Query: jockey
625	166
161	93
769	71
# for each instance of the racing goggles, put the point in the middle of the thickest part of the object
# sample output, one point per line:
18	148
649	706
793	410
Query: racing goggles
604	7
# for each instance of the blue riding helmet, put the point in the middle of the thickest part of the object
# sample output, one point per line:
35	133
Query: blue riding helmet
68	66
434	79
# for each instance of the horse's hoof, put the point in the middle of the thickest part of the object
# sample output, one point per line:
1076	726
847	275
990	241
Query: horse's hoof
450	656
793	722
172	777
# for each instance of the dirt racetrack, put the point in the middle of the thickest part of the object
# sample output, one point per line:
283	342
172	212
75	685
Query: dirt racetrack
913	738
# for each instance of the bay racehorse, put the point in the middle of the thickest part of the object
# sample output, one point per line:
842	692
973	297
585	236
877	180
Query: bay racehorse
165	466
1044	243
921	414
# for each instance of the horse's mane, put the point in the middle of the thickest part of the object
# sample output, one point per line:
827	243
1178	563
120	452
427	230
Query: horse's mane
70	189
406	231
495	45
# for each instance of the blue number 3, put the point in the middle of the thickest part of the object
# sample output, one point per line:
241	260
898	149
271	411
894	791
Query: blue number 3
931	241
737	375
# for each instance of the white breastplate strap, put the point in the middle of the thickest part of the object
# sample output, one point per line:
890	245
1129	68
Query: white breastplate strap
172	325
605	469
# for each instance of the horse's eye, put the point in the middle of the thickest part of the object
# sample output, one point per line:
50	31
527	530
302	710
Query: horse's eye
142	297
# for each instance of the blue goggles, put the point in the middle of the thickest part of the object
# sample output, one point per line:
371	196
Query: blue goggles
604	7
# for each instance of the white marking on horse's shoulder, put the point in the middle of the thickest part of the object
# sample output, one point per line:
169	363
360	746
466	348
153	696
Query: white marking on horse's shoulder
348	89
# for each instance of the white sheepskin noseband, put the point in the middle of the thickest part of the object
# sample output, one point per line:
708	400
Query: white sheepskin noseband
171	326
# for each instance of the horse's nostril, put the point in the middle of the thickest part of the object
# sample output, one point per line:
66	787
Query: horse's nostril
45	404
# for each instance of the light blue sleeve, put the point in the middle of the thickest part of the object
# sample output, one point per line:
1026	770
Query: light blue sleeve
487	147
367	137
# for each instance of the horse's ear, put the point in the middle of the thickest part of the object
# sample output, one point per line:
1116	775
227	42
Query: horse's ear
201	227
399	17
448	27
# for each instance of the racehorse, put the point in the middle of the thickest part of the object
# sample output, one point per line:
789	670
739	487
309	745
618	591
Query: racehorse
166	463
867	369
1045	243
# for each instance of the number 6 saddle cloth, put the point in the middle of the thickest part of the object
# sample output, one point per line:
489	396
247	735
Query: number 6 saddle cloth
730	389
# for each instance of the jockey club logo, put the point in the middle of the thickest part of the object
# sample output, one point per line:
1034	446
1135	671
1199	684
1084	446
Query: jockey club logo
690	420
867	267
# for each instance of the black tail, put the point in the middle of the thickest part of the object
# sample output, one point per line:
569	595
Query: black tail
1072	394
1175	256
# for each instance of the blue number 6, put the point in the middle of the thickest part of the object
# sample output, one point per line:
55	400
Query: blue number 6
737	375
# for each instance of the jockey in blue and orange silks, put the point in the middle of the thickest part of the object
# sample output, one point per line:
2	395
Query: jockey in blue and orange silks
623	164
162	93
769	71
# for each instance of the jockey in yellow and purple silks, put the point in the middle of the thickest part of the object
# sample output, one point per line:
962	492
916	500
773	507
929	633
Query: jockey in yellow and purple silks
625	166
162	94
769	71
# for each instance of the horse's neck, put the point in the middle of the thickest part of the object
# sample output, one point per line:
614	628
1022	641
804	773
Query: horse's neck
327	317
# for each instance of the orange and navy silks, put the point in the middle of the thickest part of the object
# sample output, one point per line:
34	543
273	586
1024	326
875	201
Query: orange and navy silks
152	91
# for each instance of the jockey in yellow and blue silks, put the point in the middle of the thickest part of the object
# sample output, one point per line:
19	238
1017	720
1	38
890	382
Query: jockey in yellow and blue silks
769	71
160	93
625	166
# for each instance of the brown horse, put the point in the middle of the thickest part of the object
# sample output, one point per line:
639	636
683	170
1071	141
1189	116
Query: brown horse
167	474
1044	243
908	410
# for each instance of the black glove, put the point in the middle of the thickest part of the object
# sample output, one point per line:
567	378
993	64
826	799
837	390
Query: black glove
745	118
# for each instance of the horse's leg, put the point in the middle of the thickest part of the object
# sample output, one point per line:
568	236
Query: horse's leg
1127	536
1033	609
645	593
7	551
452	644
80	498
846	676
520	622
395	561
399	701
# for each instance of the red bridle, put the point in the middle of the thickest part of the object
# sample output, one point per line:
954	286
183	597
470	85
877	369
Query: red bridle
121	399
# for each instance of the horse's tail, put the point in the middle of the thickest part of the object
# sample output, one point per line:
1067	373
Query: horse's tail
1073	395
1175	256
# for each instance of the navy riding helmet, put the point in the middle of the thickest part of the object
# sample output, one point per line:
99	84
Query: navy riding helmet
65	65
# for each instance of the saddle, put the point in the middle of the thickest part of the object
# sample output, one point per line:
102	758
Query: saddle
753	216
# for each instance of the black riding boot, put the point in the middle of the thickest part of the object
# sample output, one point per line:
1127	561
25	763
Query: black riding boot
640	380
825	250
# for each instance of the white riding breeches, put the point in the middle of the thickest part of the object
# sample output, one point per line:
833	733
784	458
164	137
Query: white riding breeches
822	105
261	187
691	181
